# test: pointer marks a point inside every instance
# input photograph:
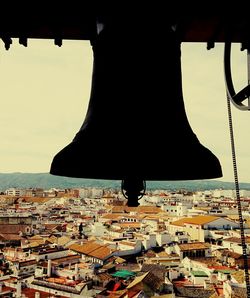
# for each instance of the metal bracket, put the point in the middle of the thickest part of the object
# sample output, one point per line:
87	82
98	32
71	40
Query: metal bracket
236	98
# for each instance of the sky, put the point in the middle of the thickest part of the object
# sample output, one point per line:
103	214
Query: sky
45	92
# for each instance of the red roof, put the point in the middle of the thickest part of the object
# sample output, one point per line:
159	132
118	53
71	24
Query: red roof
181	282
30	293
219	291
219	267
117	286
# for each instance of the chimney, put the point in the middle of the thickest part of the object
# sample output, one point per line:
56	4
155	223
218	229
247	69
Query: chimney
76	275
18	289
76	268
37	294
49	268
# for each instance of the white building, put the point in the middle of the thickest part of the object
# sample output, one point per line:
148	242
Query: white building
98	229
198	277
199	227
125	248
149	241
149	200
163	238
234	244
90	192
14	192
226	193
244	193
175	209
194	250
195	212
49	254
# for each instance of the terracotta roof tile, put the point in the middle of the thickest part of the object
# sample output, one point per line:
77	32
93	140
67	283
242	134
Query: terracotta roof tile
118	209
113	216
92	249
101	253
149	209
37	199
128	243
197	220
163	254
193	245
67	258
27	263
231	254
236	239
139	209
10	237
86	248
122	225
13	228
36	237
239	276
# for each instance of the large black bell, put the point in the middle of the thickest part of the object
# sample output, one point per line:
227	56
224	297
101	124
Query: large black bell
136	126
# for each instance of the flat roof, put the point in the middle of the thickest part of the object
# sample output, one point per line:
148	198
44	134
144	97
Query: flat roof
123	274
199	273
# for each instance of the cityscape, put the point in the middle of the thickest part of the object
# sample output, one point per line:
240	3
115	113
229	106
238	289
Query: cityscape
151	93
87	242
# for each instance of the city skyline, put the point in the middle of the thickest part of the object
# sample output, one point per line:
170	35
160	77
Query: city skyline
45	91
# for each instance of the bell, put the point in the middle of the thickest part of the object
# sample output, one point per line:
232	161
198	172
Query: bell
136	128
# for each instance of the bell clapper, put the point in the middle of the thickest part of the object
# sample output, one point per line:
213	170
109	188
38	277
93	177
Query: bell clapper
133	190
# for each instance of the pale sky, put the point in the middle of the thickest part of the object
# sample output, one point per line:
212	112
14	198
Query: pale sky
45	92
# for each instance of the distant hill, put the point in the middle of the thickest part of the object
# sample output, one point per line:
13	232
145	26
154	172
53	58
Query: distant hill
47	181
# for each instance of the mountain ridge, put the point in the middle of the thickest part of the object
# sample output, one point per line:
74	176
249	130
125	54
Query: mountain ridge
47	181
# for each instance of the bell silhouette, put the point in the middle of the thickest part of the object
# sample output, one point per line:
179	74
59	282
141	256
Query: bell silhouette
136	127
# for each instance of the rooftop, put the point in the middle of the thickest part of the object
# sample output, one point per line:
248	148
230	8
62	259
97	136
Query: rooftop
123	274
199	274
197	220
193	245
93	249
